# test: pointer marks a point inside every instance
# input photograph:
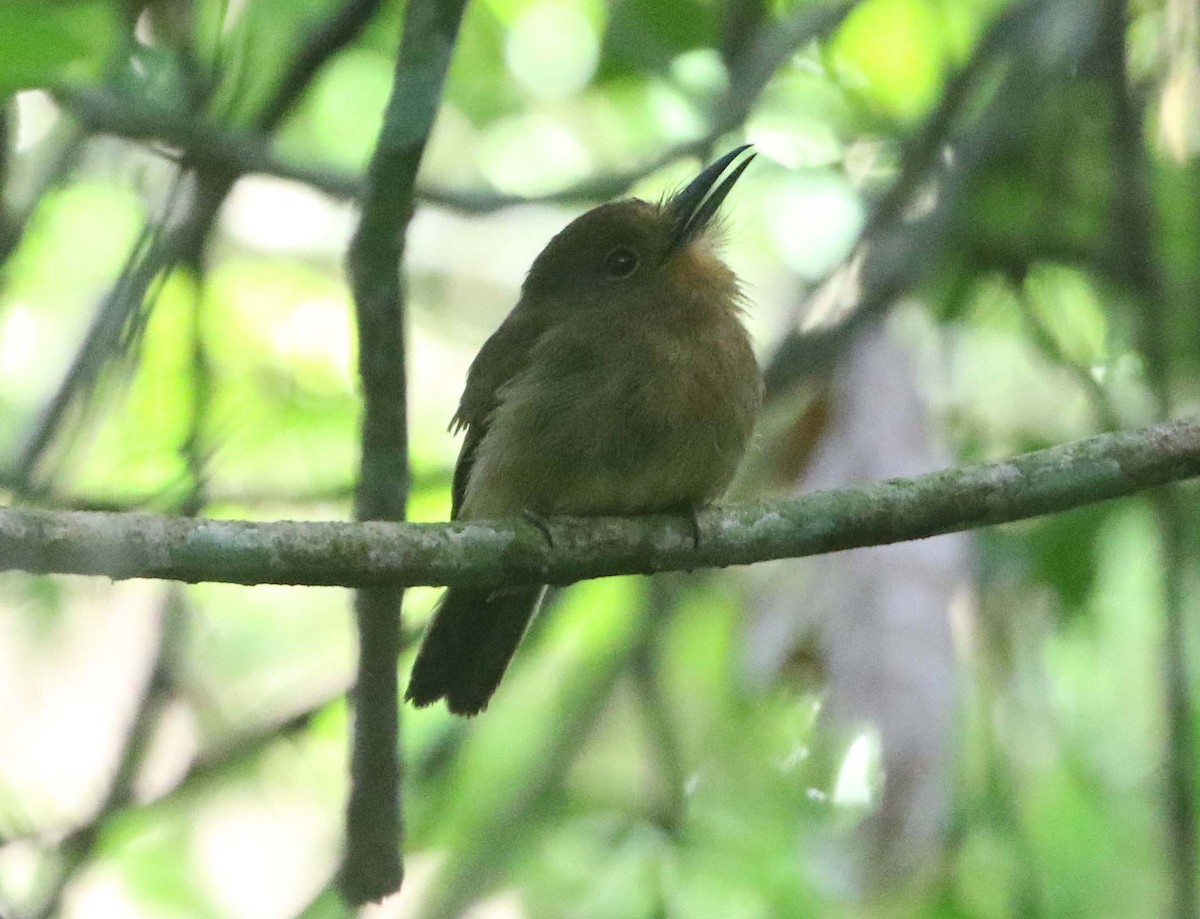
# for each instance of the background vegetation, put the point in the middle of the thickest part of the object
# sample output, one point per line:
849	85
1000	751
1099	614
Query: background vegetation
971	231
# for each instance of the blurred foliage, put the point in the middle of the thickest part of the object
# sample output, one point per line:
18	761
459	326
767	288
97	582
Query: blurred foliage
634	764
42	42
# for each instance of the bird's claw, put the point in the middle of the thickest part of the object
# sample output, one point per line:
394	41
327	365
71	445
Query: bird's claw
692	513
540	523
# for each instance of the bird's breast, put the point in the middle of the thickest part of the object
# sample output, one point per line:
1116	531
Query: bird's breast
634	419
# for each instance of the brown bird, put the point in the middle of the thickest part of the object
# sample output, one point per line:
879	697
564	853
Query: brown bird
623	382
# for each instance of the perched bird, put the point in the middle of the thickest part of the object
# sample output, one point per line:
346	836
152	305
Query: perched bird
623	382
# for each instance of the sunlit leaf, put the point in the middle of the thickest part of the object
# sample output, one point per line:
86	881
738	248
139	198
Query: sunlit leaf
892	52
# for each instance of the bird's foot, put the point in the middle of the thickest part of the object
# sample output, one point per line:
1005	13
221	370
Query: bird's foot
691	513
540	523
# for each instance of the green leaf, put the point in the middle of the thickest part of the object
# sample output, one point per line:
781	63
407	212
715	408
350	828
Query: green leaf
41	43
1071	312
645	35
893	53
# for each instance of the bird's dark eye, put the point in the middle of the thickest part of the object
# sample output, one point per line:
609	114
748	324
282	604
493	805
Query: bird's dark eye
621	262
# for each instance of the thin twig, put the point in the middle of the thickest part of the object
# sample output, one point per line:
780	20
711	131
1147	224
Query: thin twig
226	754
256	495
116	322
328	38
1000	794
55	157
1181	741
202	144
1049	344
472	866
195	448
512	551
77	848
666	748
209	764
741	20
74	850
8	130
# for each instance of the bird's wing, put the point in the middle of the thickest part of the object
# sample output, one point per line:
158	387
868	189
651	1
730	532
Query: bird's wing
462	469
501	358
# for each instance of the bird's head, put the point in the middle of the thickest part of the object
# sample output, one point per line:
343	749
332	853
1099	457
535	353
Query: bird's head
639	254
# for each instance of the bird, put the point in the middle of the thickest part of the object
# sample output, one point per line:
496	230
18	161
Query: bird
623	382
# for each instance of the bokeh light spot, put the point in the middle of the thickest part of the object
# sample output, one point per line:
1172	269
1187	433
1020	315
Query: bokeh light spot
552	50
814	219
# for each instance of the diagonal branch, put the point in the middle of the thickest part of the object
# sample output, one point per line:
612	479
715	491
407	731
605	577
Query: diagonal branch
74	850
482	553
898	247
325	40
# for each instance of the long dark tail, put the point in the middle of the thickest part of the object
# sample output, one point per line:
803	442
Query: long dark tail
467	647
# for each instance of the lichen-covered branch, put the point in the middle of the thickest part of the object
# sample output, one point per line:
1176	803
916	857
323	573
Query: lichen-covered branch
507	551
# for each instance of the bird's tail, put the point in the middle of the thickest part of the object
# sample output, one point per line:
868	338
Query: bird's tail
467	647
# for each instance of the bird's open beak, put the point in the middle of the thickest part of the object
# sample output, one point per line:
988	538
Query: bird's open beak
693	207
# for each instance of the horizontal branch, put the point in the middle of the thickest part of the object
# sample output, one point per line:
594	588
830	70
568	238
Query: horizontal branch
482	553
